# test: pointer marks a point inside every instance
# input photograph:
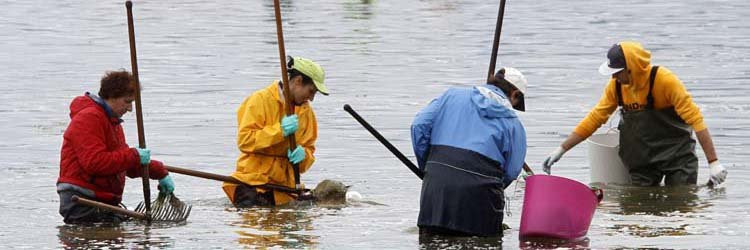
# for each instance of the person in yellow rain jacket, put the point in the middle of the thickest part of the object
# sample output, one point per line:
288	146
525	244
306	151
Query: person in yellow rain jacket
658	118
262	133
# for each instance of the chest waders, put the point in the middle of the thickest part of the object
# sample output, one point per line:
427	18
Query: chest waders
462	193
656	143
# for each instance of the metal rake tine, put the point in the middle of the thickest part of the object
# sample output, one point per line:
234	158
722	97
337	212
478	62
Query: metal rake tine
168	211
155	213
185	213
162	212
139	208
157	209
173	215
186	210
178	214
175	209
179	208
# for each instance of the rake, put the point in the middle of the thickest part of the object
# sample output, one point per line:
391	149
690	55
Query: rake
166	207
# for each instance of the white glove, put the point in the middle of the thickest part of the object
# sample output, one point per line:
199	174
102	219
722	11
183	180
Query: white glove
552	158
718	172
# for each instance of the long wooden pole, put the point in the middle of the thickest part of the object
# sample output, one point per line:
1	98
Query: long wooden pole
138	107
115	209
493	57
496	41
285	83
225	178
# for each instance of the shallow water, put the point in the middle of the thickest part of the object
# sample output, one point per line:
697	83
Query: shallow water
199	59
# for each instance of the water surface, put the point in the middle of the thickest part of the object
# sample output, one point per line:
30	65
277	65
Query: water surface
198	60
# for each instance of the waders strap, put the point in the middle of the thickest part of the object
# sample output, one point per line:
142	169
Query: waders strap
649	98
651	78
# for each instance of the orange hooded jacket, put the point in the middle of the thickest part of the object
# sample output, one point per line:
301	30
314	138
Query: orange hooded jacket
263	148
668	92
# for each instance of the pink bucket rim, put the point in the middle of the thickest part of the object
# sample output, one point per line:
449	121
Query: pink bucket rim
598	193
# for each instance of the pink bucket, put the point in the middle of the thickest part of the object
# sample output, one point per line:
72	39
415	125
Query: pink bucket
557	207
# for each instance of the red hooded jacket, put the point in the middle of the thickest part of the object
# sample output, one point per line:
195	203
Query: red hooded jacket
94	153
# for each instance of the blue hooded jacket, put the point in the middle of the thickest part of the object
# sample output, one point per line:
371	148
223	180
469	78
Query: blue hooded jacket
480	119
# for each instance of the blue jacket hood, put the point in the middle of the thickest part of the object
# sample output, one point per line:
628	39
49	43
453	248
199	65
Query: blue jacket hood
491	102
478	119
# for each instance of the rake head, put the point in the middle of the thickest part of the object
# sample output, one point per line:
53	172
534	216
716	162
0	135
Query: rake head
167	208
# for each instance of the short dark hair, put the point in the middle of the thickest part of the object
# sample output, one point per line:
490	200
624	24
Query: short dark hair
116	84
305	79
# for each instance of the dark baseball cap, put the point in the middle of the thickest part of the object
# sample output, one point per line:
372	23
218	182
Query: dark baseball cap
615	61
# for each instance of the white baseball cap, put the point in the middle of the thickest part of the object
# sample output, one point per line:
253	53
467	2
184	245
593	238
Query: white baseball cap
515	78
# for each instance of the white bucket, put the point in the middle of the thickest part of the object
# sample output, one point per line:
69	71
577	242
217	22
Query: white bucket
604	160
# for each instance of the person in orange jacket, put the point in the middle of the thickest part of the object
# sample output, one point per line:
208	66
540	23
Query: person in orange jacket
262	129
658	119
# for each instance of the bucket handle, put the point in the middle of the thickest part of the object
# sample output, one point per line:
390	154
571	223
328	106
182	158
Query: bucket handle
599	194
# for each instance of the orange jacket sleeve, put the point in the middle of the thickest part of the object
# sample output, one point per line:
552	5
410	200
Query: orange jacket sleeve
676	94
600	113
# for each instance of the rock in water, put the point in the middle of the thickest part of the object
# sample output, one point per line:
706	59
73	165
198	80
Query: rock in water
330	192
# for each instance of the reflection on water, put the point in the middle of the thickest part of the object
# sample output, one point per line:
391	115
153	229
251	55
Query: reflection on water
114	236
545	243
275	227
431	241
358	9
650	212
649	231
659	201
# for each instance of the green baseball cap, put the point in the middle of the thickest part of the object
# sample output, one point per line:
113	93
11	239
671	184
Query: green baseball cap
310	69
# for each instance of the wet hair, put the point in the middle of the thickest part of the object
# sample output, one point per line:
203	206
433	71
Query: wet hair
116	84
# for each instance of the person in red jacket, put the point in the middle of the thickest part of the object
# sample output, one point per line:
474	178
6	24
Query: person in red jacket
95	158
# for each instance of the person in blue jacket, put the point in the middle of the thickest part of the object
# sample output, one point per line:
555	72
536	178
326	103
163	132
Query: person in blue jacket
470	145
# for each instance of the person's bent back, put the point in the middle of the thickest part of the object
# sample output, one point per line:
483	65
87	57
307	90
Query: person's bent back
470	144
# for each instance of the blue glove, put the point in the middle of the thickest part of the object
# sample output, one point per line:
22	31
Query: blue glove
296	156
145	155
289	125
166	185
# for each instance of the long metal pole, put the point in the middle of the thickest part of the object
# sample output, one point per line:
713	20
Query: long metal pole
385	142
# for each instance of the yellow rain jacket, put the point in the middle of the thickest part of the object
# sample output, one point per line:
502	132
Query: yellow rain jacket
263	158
668	92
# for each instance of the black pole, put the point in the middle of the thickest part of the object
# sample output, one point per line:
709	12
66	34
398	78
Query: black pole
496	42
385	142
